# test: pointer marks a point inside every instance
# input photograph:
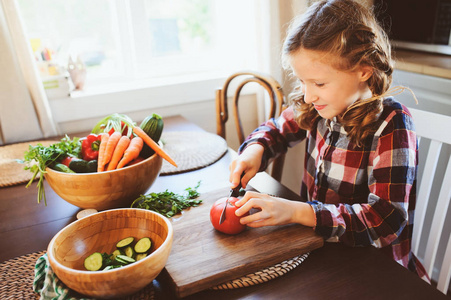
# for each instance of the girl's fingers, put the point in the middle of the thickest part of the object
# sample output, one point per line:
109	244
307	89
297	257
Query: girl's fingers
245	198
246	178
236	177
254	220
249	201
259	223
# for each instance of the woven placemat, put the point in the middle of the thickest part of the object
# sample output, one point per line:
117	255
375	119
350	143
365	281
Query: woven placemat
17	276
12	172
191	150
264	275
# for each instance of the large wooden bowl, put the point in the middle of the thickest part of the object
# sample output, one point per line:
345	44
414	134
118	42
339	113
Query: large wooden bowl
99	233
106	190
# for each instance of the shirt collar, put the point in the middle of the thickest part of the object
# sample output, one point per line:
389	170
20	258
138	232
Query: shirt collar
330	123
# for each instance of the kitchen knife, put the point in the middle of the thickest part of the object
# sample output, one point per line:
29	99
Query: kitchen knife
235	192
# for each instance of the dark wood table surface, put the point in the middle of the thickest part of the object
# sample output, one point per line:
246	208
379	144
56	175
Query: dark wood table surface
331	272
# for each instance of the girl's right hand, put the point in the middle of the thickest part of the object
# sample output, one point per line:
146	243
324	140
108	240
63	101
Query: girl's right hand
249	162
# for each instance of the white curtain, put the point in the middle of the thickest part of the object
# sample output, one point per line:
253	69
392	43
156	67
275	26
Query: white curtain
25	113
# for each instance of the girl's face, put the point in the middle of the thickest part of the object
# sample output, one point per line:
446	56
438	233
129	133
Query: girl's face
330	90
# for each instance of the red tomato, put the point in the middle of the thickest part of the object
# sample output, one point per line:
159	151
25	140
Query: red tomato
231	224
66	161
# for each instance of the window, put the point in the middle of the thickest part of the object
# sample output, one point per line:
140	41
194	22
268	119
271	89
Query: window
132	40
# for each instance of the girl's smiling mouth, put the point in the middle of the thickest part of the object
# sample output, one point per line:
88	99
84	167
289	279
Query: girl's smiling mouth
319	107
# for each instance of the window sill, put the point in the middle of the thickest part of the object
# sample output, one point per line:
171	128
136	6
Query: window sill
124	97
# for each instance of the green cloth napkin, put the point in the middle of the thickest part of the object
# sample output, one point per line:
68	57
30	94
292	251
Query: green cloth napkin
48	285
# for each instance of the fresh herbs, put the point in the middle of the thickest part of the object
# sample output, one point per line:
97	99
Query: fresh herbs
39	157
168	203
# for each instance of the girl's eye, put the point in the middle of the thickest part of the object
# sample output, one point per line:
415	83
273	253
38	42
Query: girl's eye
319	84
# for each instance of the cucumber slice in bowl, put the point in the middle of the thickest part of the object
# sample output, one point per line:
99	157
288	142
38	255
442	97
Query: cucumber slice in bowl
93	262
125	253
124	259
129	251
143	245
140	256
125	242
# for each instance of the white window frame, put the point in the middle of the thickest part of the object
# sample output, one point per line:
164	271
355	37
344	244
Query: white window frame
119	94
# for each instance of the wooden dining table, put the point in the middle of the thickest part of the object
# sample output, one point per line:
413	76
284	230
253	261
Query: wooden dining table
333	271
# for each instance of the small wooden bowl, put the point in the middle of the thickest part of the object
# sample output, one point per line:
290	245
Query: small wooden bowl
106	190
100	232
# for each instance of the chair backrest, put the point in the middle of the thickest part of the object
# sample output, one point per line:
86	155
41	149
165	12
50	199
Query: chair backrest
437	129
277	101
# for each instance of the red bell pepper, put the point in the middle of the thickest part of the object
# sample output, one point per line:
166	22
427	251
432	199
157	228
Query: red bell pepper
90	147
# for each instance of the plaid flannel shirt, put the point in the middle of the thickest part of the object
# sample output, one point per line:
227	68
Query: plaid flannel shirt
361	195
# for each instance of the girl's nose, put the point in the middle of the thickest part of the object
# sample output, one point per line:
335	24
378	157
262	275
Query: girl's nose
308	95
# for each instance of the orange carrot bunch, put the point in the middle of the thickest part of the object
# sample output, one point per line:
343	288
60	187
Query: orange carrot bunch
132	152
116	151
118	147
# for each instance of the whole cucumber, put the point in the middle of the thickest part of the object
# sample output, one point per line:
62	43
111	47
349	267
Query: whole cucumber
153	126
83	166
61	168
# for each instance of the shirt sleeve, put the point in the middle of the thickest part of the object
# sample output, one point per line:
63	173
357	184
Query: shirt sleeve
276	135
391	184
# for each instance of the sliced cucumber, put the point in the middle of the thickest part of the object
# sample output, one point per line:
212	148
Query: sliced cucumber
111	267
125	254
140	256
124	259
125	242
143	245
115	253
93	262
129	251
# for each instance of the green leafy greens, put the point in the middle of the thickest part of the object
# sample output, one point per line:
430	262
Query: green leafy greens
39	157
168	203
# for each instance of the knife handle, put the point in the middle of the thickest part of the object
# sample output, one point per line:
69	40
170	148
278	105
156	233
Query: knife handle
236	190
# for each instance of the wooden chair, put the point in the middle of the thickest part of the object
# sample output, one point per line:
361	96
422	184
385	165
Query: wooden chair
277	99
437	129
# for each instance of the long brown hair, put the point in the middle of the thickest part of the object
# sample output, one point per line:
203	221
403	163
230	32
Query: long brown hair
349	31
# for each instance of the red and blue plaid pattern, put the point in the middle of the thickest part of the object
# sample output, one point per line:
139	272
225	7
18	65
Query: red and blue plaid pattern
361	195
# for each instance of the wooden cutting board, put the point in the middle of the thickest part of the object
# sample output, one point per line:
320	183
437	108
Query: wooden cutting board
202	257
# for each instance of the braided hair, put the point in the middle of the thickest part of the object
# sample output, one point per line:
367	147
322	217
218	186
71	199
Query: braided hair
348	31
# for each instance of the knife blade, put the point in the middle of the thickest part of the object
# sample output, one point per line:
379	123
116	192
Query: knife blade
235	192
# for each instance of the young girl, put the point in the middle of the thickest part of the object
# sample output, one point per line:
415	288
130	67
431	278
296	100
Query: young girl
361	153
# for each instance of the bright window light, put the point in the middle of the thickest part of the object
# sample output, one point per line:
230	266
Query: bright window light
126	40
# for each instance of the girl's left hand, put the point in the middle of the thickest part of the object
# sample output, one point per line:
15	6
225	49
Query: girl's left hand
273	211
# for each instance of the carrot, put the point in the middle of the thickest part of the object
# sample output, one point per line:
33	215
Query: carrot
110	146
118	152
155	147
132	152
102	147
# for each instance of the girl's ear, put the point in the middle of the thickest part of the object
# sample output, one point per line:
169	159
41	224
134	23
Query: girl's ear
365	73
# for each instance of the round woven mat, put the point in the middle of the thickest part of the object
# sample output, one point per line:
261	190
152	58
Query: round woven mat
191	150
17	276
11	171
263	275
